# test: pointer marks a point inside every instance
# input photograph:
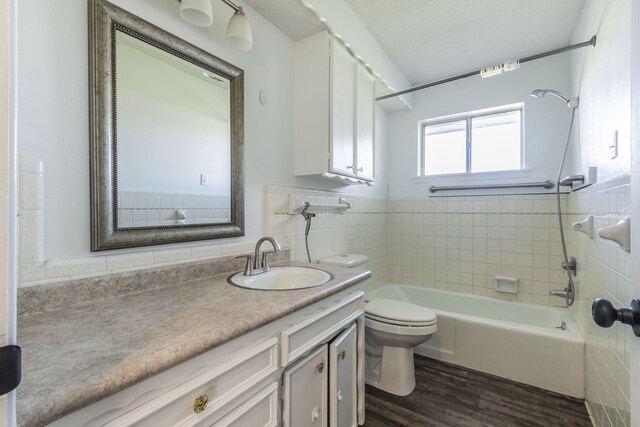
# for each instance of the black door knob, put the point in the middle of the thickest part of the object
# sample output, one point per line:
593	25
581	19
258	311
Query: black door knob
605	314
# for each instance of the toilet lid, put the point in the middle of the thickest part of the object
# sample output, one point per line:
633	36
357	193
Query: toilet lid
395	311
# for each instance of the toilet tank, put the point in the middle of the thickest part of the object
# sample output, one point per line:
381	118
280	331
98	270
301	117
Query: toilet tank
346	260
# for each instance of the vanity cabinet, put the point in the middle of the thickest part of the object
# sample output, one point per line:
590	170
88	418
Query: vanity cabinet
343	386
306	387
334	112
241	383
321	389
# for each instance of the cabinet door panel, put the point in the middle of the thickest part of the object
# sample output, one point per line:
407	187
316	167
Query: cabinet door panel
342	111
305	391
342	379
365	123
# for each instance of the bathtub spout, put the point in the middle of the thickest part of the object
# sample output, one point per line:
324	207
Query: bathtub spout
560	293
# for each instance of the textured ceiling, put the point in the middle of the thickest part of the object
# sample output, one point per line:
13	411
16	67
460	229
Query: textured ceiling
432	39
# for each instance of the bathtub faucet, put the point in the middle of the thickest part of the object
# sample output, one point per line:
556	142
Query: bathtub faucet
565	293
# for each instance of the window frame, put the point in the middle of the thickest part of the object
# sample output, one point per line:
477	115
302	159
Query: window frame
468	118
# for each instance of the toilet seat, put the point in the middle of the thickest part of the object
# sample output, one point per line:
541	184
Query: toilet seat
403	330
399	313
398	322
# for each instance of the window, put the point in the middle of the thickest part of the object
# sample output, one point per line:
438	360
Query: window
482	141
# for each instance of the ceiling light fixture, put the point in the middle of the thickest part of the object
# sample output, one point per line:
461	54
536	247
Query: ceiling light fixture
197	12
200	13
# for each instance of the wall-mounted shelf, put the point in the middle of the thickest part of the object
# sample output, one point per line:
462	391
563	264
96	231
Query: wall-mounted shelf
318	204
345	180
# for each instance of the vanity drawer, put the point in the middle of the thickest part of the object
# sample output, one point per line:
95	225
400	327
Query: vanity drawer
199	398
260	410
298	339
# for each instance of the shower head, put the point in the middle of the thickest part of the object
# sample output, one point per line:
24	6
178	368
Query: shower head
571	102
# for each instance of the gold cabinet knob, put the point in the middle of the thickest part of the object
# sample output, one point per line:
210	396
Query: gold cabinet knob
342	354
320	367
200	403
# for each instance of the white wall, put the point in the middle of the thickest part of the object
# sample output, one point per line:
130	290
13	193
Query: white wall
172	117
53	111
546	121
602	75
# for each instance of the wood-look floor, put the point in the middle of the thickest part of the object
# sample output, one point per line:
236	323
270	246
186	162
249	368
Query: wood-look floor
448	395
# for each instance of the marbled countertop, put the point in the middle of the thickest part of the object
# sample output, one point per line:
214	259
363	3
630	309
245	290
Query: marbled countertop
76	356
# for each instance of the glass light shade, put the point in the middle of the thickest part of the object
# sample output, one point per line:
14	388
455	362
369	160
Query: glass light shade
239	33
197	12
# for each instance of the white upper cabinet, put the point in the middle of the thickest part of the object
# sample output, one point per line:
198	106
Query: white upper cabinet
335	112
365	122
342	111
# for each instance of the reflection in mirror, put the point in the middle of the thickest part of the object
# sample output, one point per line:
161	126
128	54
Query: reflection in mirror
167	136
173	139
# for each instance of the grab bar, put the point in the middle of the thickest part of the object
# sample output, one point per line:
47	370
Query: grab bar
548	184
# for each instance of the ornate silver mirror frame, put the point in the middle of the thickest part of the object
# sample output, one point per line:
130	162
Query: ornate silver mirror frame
104	19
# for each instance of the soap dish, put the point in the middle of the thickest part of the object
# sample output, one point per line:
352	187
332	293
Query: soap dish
505	284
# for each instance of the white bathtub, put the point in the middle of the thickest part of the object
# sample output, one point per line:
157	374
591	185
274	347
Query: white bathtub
517	341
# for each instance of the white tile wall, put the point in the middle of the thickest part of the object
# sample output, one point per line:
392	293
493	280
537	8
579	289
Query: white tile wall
361	229
603	271
460	243
31	218
151	208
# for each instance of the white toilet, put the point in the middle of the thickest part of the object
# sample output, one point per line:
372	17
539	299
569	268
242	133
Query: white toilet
392	329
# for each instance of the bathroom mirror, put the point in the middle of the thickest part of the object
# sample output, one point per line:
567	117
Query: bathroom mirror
166	136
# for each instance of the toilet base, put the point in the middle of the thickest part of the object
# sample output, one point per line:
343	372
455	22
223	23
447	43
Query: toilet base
396	371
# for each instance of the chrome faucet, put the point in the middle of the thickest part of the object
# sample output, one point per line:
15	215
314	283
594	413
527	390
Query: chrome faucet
568	293
568	181
255	265
559	293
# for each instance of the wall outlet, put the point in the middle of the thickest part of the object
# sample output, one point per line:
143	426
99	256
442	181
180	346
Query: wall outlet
613	148
204	179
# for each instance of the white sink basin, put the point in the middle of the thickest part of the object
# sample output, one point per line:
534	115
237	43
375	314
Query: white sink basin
282	279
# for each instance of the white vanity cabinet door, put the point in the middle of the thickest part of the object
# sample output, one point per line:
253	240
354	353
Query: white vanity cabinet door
365	123
342	111
305	391
343	392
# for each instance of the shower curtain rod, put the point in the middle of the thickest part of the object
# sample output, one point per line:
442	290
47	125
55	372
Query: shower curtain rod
591	42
